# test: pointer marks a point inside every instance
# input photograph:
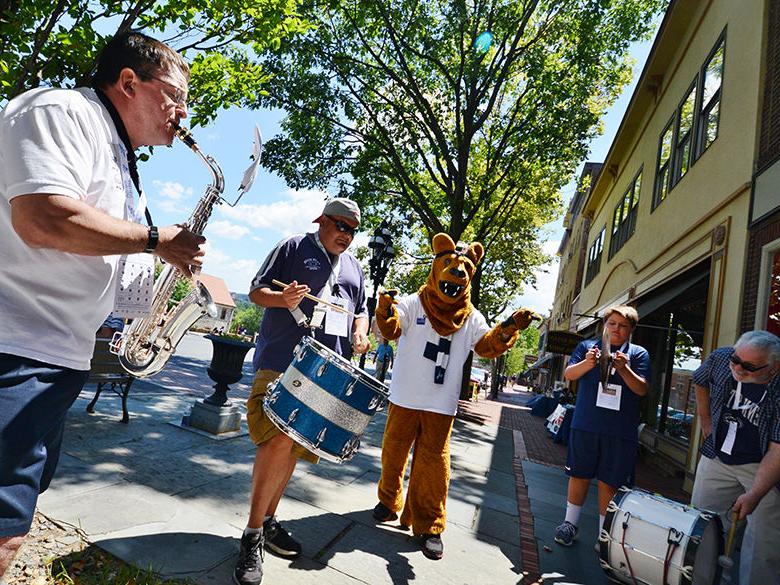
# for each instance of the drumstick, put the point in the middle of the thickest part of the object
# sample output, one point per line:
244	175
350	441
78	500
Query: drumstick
313	298
725	559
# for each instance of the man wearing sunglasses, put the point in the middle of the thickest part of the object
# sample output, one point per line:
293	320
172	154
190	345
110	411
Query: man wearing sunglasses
316	263
738	405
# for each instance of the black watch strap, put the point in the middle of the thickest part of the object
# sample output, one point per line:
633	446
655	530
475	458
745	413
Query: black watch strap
154	237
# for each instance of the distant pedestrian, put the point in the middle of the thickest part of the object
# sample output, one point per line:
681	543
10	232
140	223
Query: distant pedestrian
384	359
603	441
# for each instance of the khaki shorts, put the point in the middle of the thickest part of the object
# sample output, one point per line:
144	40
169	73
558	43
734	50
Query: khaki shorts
261	428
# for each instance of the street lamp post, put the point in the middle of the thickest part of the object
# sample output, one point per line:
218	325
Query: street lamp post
382	253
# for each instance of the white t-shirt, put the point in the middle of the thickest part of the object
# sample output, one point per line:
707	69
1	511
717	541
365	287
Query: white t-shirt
412	385
60	142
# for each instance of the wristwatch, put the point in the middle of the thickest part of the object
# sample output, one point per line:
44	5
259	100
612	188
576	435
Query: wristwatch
154	237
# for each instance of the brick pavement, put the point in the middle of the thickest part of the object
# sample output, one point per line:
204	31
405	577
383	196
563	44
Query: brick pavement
534	443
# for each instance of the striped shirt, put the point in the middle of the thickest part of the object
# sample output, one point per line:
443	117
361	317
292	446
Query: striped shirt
714	375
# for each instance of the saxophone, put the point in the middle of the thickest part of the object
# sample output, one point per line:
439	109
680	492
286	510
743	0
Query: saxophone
146	345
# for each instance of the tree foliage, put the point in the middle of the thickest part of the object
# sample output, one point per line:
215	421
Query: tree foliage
248	316
404	107
527	344
55	42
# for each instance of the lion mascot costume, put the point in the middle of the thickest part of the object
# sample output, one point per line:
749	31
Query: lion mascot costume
436	328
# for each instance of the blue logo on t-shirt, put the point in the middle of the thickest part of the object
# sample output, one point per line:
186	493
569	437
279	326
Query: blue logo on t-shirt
312	264
421	320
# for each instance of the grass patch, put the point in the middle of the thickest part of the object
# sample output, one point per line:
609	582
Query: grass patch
94	566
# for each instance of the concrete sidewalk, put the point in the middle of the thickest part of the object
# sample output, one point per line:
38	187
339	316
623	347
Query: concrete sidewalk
162	497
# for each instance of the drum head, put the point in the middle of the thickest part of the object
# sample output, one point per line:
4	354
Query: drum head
706	570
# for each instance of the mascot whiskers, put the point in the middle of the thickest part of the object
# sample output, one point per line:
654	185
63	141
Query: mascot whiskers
436	328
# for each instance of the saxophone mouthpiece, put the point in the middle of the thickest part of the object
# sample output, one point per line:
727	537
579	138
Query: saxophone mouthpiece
184	135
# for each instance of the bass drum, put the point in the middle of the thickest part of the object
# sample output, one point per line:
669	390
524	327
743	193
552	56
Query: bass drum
652	540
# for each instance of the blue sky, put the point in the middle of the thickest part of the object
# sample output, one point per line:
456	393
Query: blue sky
240	237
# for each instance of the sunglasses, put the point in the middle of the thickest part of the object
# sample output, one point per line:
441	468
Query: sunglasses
747	366
178	95
343	226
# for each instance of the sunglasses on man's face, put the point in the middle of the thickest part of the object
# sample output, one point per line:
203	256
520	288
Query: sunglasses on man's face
747	366
343	226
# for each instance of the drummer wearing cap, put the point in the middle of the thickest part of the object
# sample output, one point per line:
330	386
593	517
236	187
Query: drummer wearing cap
318	264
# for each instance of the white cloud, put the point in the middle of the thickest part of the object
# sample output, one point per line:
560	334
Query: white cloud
291	215
236	272
226	229
172	196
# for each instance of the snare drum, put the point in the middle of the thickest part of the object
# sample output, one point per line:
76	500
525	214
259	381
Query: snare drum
659	541
324	402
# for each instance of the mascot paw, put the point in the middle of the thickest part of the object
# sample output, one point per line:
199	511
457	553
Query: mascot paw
386	303
519	320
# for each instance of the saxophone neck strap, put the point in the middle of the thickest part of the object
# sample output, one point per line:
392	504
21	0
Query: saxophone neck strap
132	160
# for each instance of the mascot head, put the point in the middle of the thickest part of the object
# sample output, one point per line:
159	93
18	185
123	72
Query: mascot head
446	296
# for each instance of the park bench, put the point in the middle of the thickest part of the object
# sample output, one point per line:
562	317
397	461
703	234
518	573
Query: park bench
107	371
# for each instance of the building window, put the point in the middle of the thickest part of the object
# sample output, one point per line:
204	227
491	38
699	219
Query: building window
684	135
698	115
594	257
664	158
624	216
709	113
773	304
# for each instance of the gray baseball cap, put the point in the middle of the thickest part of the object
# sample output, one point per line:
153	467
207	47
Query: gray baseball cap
342	207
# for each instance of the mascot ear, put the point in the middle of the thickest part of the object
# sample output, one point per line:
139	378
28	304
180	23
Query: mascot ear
442	242
475	252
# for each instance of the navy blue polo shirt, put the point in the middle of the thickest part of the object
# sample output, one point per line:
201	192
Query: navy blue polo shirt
621	423
301	258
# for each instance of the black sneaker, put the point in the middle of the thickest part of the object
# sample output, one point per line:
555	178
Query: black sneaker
249	567
432	546
279	541
384	514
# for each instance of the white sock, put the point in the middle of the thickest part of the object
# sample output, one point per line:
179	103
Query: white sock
573	513
266	519
249	530
601	522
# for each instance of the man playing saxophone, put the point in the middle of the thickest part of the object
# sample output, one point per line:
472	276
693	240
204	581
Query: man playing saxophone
71	207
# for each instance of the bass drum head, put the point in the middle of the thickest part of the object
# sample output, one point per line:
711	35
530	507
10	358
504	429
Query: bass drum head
706	570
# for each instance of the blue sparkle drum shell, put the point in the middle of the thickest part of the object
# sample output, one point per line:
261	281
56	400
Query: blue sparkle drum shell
323	402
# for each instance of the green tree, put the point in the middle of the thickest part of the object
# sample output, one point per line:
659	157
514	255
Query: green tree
410	108
527	344
56	42
248	316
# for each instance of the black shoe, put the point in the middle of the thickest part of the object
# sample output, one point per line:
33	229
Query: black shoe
249	567
384	514
432	546
279	541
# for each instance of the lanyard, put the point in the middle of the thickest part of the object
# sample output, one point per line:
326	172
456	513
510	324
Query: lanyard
132	161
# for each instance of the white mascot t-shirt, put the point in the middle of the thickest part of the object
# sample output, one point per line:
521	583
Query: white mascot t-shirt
412	384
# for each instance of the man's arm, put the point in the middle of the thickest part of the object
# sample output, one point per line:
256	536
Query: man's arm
636	383
69	225
579	369
360	343
767	477
287	298
703	409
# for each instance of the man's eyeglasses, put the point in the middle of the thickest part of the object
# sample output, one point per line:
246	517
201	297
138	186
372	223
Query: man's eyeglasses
178	95
343	226
747	366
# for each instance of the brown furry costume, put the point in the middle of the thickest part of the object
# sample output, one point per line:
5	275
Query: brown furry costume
446	301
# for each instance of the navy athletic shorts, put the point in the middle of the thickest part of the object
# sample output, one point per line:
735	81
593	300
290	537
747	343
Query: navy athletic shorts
34	398
607	458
